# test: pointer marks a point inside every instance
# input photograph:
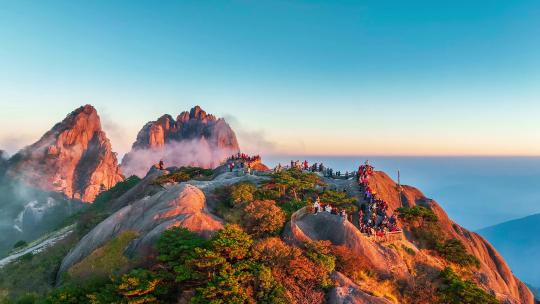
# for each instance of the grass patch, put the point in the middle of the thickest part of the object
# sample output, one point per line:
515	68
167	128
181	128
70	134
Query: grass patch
408	250
105	261
35	273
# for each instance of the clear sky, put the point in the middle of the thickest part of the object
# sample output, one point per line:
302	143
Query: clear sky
299	77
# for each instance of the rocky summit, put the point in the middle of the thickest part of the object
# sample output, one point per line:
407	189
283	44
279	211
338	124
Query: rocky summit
193	138
75	157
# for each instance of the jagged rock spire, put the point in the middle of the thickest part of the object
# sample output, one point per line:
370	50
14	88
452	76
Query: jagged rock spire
75	157
193	138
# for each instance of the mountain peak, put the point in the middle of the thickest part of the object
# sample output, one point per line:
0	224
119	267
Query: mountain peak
195	137
87	108
197	113
75	157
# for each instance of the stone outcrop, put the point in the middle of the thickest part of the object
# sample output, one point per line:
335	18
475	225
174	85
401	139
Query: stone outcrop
305	226
181	205
75	157
193	138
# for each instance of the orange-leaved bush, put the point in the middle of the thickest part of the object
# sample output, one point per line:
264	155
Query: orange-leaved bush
263	218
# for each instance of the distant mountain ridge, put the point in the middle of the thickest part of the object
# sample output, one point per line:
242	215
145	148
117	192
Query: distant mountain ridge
519	242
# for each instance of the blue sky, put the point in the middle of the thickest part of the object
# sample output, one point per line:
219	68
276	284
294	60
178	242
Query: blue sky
308	77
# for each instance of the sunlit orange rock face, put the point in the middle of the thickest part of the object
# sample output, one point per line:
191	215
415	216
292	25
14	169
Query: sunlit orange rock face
74	157
194	138
194	124
494	275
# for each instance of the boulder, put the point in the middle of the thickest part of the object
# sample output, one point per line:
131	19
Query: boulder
177	205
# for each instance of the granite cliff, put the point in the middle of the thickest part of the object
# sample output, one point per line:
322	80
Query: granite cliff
194	138
75	158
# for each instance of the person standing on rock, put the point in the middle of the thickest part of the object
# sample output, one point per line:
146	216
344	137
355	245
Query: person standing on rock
317	205
160	165
344	215
231	166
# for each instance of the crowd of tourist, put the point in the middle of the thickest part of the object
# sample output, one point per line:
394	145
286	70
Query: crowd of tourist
318	207
242	162
244	157
374	219
315	167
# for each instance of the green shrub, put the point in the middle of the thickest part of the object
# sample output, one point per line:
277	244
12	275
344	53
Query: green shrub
320	253
417	215
268	290
183	174
243	192
116	191
454	290
26	257
28	299
20	244
175	247
454	251
293	182
232	242
408	250
290	207
266	194
339	199
175	177
140	286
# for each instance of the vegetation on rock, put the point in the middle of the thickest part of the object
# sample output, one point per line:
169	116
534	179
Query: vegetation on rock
183	174
422	222
105	261
454	290
263	218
